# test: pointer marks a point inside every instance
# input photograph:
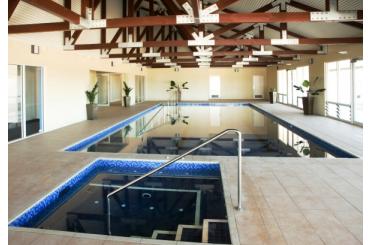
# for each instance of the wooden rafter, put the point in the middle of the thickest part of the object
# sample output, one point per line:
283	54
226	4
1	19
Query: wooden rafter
220	42
55	9
308	8
12	4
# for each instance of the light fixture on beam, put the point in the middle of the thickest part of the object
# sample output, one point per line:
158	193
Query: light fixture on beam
237	66
242	63
250	59
262	52
285	41
151	54
131	45
170	64
202	53
163	60
204	59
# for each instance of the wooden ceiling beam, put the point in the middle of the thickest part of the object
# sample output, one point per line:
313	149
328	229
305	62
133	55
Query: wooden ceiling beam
84	5
66	34
222	42
245	53
308	8
187	29
12	5
55	9
40	27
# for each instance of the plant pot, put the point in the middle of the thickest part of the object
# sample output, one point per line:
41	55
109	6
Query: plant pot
178	95
126	100
90	111
272	97
308	105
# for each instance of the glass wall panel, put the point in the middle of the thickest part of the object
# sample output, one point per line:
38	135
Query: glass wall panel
33	99
14	102
358	90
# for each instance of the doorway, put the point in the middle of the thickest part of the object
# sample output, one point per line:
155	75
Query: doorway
139	88
25	110
258	87
214	87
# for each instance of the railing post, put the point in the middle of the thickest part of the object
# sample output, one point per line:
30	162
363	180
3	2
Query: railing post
239	169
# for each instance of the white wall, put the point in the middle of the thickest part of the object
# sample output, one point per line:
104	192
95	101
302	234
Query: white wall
66	77
234	85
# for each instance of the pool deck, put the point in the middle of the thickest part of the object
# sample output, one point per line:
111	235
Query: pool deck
285	200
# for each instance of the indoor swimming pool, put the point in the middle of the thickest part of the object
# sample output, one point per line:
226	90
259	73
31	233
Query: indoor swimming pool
175	129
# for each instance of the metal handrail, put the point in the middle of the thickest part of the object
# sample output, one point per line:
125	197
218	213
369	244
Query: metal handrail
178	158
152	118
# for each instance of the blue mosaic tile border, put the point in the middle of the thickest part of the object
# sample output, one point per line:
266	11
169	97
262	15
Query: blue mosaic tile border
52	200
98	136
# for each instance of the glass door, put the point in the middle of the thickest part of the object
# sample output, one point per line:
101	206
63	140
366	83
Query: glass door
25	110
32	100
103	81
139	88
357	67
15	130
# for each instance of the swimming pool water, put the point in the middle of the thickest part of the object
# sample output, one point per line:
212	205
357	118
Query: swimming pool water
173	130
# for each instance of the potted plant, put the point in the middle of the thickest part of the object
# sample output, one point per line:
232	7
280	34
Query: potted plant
308	100
177	88
91	96
127	90
272	95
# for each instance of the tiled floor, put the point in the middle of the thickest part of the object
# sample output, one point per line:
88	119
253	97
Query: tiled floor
285	200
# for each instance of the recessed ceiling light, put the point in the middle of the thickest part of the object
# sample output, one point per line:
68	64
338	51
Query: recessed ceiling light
342	52
288	64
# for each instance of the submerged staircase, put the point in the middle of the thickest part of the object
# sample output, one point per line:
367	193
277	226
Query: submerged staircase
212	231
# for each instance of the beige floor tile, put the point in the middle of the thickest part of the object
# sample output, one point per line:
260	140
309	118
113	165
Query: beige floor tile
46	239
21	238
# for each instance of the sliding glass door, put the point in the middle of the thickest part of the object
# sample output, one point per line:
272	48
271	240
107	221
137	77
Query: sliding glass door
24	101
344	86
139	88
15	130
287	94
357	70
103	81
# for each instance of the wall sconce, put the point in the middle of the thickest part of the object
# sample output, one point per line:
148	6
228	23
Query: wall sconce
35	49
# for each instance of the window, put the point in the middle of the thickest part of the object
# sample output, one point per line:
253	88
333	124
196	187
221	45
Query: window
357	70
344	84
214	87
282	86
287	94
25	110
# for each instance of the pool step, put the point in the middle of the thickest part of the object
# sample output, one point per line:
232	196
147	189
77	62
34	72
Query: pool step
216	231
164	235
189	233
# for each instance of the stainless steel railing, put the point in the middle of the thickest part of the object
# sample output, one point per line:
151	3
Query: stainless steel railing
178	158
151	119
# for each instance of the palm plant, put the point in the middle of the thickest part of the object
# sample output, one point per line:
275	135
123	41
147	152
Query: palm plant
126	89
309	92
304	148
91	95
174	85
177	88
